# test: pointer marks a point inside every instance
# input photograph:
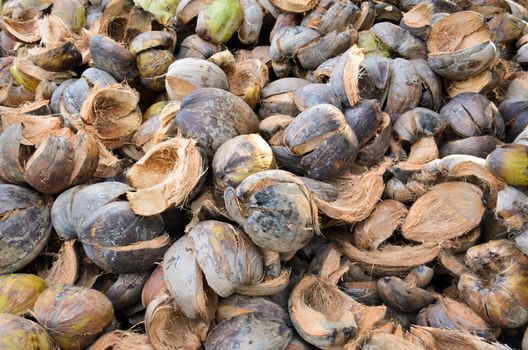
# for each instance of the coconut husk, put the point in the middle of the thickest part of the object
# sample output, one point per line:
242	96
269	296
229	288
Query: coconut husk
390	259
109	165
55	33
169	329
26	67
36	128
461	167
111	114
65	268
166	176
448	210
446	339
26	31
185	281
326	317
385	340
40	108
268	286
206	207
122	340
357	196
384	220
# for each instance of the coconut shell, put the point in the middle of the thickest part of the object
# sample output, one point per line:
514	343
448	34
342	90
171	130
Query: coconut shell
114	234
126	291
277	97
18	292
25	227
498	299
477	146
72	315
318	143
447	211
384	220
19	333
325	317
444	339
167	328
113	58
467	167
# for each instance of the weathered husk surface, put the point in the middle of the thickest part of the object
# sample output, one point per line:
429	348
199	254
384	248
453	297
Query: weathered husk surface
447	211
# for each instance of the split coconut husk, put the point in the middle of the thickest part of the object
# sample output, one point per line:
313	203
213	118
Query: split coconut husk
386	218
65	268
447	211
357	196
111	114
168	329
166	176
460	46
326	317
122	340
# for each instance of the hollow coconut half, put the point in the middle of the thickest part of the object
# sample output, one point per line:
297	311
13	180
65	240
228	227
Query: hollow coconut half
460	46
447	211
166	176
169	329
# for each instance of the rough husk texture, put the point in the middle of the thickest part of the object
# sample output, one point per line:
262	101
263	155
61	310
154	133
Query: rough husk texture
165	176
447	211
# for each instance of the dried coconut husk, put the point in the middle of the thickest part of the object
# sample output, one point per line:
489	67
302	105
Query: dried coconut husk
418	20
445	339
511	208
390	259
55	33
448	210
495	287
372	153
109	165
357	195
482	83
65	268
386	218
327	264
423	151
111	114
26	31
325	316
122	340
122	21
166	176
460	46
462	167
36	128
206	207
384	340
401	296
185	281
239	304
451	314
169	329
30	72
